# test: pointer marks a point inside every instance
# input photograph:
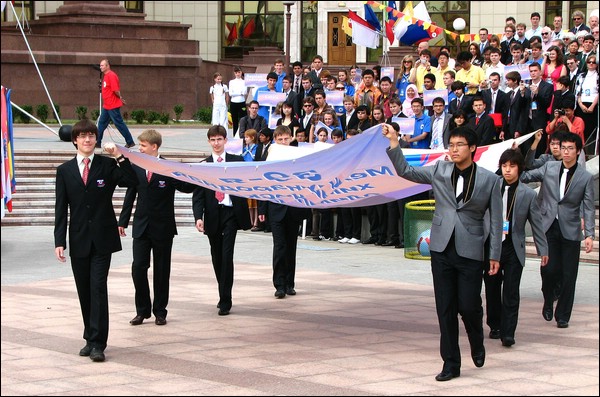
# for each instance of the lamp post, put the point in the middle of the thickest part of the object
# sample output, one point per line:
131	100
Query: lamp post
288	19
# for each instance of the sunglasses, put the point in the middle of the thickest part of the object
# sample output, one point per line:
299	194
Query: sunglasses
576	18
589	62
307	106
545	34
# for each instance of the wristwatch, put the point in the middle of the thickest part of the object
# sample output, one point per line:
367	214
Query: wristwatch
120	159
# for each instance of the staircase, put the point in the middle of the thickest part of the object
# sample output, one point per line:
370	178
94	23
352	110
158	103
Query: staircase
35	172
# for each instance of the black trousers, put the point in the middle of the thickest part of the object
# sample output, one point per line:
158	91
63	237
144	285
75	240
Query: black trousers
395	216
161	251
285	243
222	245
561	270
237	110
352	222
502	295
457	289
91	277
377	222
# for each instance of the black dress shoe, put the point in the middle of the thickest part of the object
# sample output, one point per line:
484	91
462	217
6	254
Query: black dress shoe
447	375
508	341
495	334
218	305
97	355
479	357
85	351
279	294
399	245
390	243
562	324
160	320
137	320
547	313
372	240
290	291
223	312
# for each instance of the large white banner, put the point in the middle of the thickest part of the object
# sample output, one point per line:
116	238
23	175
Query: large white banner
354	173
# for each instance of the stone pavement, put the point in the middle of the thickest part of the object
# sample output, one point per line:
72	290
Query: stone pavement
363	323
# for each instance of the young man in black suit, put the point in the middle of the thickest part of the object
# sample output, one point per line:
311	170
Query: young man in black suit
220	216
285	223
153	231
482	124
496	100
516	115
84	189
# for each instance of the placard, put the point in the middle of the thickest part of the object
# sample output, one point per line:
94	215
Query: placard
255	79
387	71
523	70
273	121
270	98
407	125
335	98
430	95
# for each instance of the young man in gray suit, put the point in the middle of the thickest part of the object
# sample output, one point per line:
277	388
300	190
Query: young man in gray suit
463	193
519	205
567	190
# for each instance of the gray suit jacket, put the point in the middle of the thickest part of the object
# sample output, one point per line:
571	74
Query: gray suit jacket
526	208
465	220
578	198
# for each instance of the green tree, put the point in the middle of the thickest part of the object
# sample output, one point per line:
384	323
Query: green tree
42	112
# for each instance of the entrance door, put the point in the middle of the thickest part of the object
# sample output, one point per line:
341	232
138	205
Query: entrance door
340	50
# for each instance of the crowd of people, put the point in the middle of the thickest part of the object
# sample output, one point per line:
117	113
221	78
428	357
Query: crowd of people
540	79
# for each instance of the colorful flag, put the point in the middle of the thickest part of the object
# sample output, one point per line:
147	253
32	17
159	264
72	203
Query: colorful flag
409	33
346	26
362	32
389	25
371	18
8	158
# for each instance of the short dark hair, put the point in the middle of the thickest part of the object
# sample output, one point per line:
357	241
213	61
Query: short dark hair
85	125
535	14
297	63
337	132
216	130
385	78
267	132
513	156
368	72
572	137
288	78
363	108
438	99
464	56
272	75
430	76
467	133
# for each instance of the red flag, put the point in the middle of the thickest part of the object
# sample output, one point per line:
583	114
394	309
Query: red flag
249	28
389	30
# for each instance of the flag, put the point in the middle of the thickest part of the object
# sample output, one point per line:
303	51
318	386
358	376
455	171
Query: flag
363	33
371	18
346	26
409	33
233	32
389	25
249	28
8	159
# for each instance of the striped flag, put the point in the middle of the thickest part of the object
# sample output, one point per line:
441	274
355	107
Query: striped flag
362	32
8	158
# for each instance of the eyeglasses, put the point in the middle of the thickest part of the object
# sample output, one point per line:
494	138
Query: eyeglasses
340	88
459	145
84	135
576	18
307	105
567	148
545	33
253	108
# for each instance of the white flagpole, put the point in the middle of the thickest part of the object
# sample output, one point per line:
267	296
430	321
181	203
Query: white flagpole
33	117
34	62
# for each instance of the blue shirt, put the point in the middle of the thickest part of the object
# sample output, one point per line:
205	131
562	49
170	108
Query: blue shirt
422	124
401	85
263	110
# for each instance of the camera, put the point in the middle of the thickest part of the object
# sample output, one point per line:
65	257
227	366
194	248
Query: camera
561	112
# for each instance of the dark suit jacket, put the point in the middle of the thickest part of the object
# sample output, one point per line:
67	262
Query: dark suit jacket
206	206
583	26
583	65
352	123
155	207
246	123
261	151
501	100
505	56
485	129
292	101
518	110
466	105
92	219
543	98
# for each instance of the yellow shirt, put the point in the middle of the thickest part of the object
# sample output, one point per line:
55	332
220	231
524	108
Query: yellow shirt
475	74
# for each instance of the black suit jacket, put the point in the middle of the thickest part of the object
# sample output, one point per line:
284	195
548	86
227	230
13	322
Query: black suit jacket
352	123
155	207
485	129
206	206
466	105
517	115
92	220
505	56
501	101
543	99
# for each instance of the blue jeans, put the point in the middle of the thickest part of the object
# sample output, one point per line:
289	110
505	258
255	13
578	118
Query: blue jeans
115	116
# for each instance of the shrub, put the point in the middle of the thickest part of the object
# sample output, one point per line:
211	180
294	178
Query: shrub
25	119
125	116
81	112
42	112
178	109
152	116
95	114
138	115
56	115
204	115
164	118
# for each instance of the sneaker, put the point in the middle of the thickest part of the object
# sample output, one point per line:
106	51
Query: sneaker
353	241
344	240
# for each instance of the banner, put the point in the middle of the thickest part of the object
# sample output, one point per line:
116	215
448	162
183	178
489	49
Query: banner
407	124
270	98
523	70
353	173
255	79
430	95
335	98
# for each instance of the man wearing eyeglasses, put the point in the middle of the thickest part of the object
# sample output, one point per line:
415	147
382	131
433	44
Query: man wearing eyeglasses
587	50
578	25
546	38
568	192
253	120
464	192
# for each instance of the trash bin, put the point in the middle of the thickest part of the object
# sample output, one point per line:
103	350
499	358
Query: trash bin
417	228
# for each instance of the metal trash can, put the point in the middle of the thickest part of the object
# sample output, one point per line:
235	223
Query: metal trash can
417	228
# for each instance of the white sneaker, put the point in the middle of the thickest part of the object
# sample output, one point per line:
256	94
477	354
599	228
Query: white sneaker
353	241
343	240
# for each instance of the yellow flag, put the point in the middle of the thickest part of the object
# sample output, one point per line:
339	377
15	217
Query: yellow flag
346	26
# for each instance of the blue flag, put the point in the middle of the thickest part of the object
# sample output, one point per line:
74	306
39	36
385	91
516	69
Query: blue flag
391	16
371	18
